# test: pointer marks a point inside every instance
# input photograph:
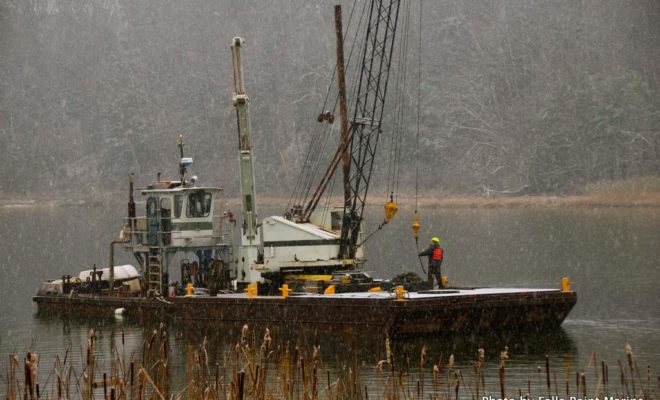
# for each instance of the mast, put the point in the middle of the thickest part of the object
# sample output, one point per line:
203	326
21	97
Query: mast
343	112
248	195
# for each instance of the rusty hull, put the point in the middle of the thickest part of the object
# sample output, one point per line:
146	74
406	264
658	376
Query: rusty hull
521	311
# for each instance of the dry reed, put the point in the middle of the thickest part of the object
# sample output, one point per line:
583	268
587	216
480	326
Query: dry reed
255	368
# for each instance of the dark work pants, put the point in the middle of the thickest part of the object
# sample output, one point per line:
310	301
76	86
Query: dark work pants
435	271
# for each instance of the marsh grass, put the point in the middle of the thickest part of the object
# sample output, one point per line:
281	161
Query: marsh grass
254	367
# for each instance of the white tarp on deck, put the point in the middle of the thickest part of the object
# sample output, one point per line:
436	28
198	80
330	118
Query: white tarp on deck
122	273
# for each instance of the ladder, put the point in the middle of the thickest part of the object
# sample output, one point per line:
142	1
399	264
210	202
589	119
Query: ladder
155	275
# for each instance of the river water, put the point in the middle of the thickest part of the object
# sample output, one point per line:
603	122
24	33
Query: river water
610	254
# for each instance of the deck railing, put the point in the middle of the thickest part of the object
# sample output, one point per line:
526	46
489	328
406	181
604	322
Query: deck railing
136	232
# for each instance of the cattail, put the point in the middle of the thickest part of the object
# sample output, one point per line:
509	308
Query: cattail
32	364
244	333
66	355
266	343
316	351
422	357
631	365
388	351
422	363
152	339
105	386
547	371
457	375
629	354
504	355
583	382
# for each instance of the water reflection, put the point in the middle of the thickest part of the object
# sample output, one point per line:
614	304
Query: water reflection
340	351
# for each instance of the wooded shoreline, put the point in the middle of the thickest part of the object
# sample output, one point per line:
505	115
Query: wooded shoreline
626	199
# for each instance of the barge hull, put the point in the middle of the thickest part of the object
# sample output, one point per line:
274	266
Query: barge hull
479	310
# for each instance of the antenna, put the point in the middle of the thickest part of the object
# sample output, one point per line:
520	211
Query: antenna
185	162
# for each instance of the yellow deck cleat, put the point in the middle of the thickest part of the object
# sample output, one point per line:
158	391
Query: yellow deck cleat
400	293
285	291
252	290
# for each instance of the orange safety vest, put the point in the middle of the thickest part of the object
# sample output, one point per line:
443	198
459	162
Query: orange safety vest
437	254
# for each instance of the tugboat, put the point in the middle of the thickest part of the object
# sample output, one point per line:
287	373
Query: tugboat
304	267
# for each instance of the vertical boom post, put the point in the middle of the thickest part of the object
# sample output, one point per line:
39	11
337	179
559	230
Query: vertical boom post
248	194
250	240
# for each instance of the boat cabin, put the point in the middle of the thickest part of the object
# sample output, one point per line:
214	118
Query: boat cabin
179	217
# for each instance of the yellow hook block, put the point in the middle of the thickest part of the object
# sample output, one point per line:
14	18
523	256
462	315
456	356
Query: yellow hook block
415	225
390	210
285	291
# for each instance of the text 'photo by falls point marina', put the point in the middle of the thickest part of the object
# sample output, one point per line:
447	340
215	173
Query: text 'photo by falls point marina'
396	199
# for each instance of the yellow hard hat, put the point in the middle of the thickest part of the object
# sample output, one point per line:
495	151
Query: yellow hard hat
435	239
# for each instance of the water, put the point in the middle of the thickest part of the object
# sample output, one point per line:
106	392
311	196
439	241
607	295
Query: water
611	255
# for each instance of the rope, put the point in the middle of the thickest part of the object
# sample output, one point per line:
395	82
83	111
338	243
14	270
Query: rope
382	224
419	105
403	90
320	138
397	135
421	264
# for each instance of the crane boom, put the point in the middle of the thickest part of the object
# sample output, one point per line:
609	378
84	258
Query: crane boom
368	115
246	166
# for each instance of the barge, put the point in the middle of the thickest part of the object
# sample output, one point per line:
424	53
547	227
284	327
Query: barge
304	267
435	311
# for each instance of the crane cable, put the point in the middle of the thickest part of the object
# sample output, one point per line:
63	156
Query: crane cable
393	173
313	158
415	224
393	165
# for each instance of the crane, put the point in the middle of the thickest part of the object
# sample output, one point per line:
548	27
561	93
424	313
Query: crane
365	125
250	241
320	243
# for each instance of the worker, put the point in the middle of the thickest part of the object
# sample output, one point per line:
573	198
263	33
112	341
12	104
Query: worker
434	253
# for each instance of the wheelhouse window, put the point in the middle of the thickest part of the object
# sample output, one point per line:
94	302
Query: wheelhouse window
178	205
165	207
199	204
152	207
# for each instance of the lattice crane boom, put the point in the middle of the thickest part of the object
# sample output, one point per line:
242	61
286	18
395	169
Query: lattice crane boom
365	126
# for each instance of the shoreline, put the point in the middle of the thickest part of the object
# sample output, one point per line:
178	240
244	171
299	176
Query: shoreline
594	200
